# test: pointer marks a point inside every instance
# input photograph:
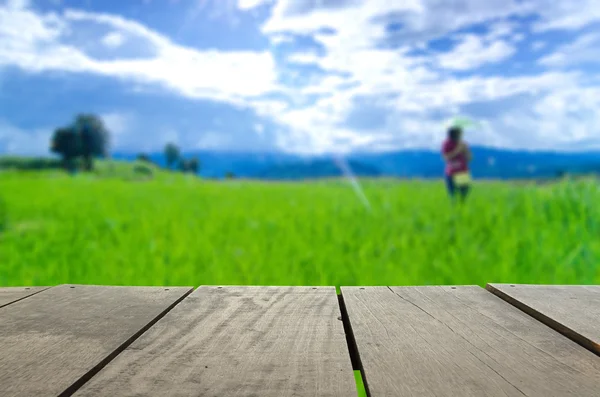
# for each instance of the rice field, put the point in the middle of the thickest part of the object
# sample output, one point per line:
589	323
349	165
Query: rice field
177	230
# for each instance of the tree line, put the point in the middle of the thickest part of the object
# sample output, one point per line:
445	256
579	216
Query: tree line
87	138
175	160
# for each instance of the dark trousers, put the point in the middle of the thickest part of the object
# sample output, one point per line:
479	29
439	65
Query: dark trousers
462	191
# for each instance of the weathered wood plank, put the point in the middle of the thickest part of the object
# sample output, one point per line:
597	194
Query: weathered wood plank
572	310
51	342
10	295
462	341
237	341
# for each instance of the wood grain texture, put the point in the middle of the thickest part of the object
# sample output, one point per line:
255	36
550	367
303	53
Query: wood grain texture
462	341
572	310
52	340
10	295
237	341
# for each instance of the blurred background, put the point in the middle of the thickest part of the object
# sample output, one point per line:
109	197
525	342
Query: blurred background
297	142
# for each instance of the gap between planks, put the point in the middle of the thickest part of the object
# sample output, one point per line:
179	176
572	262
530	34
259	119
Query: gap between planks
352	347
205	324
361	386
31	291
548	321
350	339
534	314
90	374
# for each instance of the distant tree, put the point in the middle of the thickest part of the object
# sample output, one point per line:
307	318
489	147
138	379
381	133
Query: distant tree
143	170
182	165
87	137
66	143
229	175
194	165
94	138
172	155
144	158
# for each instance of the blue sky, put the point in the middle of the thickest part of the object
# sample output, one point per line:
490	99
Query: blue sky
303	76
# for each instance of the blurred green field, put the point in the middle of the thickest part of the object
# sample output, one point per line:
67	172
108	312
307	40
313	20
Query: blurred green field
181	230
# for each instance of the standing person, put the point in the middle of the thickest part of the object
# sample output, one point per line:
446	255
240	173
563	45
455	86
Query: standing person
457	155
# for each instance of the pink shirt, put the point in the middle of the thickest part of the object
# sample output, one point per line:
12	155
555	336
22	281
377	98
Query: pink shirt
456	164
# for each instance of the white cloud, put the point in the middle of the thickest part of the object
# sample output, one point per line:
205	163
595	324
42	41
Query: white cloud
371	72
473	52
21	29
303	58
584	49
361	20
251	4
269	107
18	4
454	93
410	122
538	45
517	37
561	120
501	30
566	14
113	40
36	43
365	62
278	39
420	95
329	84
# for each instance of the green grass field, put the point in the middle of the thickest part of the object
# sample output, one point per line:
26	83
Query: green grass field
178	230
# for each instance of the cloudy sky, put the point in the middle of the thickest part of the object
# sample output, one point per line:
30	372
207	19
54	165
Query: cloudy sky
305	76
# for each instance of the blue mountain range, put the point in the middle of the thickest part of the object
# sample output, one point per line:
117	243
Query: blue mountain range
487	163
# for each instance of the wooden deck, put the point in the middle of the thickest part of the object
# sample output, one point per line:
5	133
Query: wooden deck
505	340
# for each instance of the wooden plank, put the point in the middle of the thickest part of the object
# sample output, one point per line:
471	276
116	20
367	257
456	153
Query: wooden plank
10	295
52	342
572	310
461	341
237	341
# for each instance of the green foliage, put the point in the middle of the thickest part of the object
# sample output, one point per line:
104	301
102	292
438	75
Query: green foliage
87	138
143	157
143	169
360	384
182	165
94	138
229	175
127	171
66	143
192	165
28	163
172	230
3	215
172	154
